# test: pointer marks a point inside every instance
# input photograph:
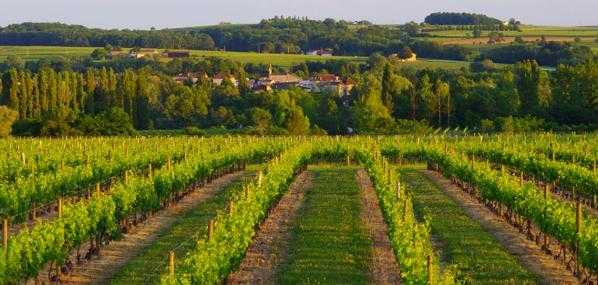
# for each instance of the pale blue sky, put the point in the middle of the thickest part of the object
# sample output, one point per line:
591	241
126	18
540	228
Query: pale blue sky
181	13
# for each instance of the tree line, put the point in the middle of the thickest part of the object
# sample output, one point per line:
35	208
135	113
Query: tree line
387	98
57	34
460	19
298	35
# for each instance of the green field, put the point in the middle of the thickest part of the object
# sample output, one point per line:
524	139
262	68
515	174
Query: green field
529	31
31	53
329	244
478	257
39	52
587	35
147	266
284	60
438	63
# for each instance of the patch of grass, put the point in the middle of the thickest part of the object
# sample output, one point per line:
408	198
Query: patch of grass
478	257
434	64
283	60
329	244
147	266
31	53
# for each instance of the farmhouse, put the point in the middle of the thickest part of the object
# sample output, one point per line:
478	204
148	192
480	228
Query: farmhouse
282	81
328	82
218	79
189	77
141	53
321	52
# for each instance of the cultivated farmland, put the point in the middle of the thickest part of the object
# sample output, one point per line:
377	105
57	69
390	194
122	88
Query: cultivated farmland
429	209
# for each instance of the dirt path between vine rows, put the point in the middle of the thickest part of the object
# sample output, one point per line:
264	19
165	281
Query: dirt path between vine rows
100	269
527	252
270	245
383	266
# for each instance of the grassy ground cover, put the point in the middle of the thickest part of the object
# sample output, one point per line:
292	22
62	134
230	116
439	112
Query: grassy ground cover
478	257
147	267
30	53
329	244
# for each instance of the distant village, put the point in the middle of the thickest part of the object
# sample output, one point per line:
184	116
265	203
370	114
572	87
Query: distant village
318	83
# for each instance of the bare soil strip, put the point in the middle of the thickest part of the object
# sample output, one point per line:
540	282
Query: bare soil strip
383	266
270	244
113	256
528	253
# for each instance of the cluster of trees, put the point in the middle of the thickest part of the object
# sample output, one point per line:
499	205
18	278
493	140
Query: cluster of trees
300	35
57	34
103	102
547	53
461	19
522	95
297	35
120	97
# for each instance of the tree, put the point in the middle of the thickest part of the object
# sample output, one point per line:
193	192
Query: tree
406	53
261	119
426	93
442	94
297	123
99	54
387	96
14	61
7	118
477	32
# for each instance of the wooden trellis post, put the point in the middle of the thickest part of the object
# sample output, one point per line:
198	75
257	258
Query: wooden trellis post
210	229
149	171
5	233
60	207
126	176
231	207
430	273
578	221
98	189
171	259
259	179
399	189
33	211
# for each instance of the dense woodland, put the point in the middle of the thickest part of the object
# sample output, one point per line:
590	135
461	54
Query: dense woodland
301	35
447	18
128	95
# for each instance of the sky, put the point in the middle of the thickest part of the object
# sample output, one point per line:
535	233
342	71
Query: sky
144	14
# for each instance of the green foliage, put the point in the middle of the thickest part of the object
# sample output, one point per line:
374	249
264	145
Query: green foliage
448	18
7	118
100	216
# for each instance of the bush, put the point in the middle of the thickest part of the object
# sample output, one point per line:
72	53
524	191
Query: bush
194	131
108	123
519	125
487	126
7	118
412	127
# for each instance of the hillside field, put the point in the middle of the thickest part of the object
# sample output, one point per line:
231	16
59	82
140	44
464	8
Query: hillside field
587	35
283	60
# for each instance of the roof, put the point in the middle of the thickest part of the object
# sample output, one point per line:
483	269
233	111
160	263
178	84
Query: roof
326	77
286	78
